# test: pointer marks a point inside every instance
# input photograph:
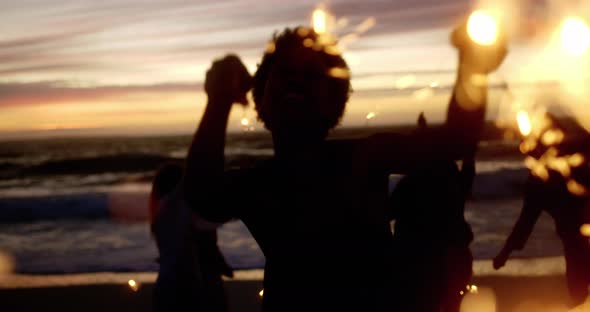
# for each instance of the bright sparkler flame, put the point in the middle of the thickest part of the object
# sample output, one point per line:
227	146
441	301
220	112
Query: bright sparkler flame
261	293
245	122
319	20
575	36
524	123
133	285
371	115
483	28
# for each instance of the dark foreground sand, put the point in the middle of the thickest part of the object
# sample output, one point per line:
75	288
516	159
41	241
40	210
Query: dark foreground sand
512	294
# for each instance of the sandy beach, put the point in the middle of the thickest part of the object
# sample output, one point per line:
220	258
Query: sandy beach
110	292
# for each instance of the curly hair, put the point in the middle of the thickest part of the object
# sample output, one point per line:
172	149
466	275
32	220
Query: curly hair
293	39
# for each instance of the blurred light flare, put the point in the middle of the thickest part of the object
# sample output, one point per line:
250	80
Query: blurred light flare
576	188
552	137
482	28
261	293
585	230
575	36
319	20
133	285
524	123
245	122
339	73
371	115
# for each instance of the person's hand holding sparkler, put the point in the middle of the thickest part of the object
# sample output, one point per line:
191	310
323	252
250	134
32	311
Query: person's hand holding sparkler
228	81
481	41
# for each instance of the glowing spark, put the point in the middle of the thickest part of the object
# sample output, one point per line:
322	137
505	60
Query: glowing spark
270	48
528	145
365	25
133	285
405	82
245	122
576	188
552	137
339	72
537	168
482	28
472	289
319	20
371	115
524	123
560	165
434	84
303	32
575	36
461	293
576	160
261	293
332	50
585	230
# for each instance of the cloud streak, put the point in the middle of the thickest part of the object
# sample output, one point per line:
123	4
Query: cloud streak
14	94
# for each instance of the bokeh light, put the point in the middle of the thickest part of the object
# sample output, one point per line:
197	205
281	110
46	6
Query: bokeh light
575	36
482	28
524	123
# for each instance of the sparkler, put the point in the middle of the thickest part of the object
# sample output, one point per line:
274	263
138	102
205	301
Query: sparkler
575	36
319	20
524	123
547	134
483	28
245	122
133	285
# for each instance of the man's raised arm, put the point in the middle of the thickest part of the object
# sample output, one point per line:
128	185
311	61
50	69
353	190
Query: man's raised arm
227	82
458	138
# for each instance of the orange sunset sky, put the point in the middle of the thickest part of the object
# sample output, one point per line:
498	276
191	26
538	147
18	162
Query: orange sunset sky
134	67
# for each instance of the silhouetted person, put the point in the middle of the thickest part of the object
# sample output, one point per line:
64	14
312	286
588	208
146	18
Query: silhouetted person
191	264
318	208
431	238
569	212
422	123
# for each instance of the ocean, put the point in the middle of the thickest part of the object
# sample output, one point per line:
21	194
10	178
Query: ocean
80	205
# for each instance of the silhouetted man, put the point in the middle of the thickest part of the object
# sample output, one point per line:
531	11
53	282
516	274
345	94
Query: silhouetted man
317	210
569	212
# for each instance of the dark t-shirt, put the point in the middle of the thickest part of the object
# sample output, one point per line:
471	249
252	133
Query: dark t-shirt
321	225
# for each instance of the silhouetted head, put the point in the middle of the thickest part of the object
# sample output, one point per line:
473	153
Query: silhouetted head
296	95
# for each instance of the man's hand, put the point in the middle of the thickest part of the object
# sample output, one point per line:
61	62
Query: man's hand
479	58
228	81
500	259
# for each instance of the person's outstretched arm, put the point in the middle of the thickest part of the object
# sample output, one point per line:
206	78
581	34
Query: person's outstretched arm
227	82
458	138
531	210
